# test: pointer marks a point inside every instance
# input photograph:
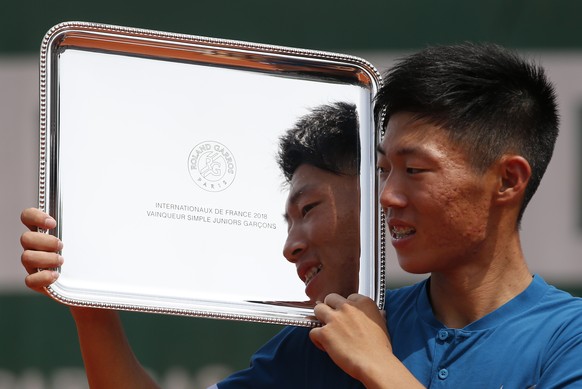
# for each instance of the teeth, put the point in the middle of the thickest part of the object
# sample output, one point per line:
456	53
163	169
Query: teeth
401	232
311	273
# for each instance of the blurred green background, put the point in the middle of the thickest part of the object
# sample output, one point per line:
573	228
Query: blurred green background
38	346
323	24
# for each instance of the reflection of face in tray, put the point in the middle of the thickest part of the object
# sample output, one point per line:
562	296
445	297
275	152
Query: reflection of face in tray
323	231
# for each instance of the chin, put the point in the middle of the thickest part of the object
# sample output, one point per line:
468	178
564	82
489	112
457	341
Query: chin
412	267
319	297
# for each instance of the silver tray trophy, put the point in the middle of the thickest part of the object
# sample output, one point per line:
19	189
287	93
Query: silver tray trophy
158	161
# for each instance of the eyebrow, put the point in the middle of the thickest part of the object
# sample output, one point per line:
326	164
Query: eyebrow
295	197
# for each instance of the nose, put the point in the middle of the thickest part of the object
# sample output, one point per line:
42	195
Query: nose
294	246
391	193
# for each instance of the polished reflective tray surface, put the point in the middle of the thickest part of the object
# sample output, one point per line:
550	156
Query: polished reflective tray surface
158	161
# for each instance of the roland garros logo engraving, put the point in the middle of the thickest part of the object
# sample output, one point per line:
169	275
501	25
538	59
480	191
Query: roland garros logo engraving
212	166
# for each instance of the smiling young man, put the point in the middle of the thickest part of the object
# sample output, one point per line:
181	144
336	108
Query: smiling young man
470	132
323	234
320	160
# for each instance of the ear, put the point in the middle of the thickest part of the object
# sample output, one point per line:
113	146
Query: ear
514	174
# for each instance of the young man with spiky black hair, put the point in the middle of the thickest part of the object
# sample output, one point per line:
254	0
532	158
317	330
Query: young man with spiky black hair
470	130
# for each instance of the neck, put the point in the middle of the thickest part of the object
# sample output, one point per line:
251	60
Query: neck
467	294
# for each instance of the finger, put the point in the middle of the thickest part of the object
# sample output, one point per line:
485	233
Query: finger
33	260
322	312
314	335
363	303
34	218
334	300
356	297
31	240
39	280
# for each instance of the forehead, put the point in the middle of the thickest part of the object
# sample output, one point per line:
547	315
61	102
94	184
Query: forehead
407	135
307	178
310	179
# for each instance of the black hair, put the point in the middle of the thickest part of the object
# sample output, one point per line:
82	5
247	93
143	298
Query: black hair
490	100
327	138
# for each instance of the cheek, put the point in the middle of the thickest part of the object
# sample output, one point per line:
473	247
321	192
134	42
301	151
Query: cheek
347	240
466	212
340	240
335	228
321	229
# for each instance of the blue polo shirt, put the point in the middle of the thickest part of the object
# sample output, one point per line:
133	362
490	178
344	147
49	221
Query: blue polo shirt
533	340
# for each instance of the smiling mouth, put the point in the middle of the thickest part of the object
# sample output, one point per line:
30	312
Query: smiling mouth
399	232
311	273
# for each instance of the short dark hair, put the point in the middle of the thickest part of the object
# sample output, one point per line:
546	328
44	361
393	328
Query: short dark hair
490	100
327	138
